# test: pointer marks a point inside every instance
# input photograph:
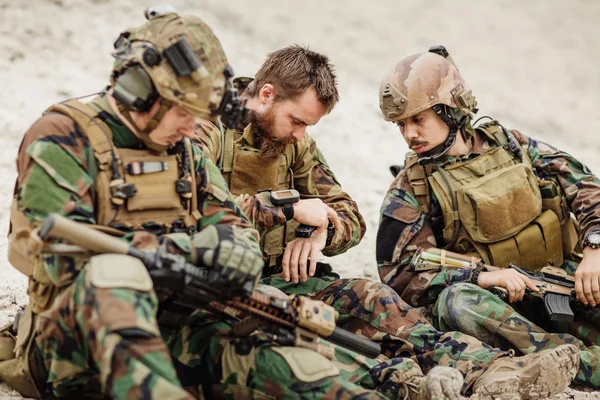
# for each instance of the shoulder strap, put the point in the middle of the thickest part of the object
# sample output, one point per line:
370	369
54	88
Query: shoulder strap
97	132
194	200
417	179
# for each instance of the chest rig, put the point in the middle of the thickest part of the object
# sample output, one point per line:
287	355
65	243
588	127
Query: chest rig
495	206
247	173
133	189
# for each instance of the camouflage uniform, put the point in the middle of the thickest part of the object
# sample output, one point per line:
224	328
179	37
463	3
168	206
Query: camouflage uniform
93	331
366	307
457	305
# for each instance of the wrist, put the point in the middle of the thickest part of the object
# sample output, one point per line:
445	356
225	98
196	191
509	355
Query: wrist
476	274
288	211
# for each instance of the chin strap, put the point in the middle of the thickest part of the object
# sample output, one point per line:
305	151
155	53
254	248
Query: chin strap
454	124
144	135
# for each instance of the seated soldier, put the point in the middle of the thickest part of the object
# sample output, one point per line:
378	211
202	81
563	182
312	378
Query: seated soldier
271	152
493	193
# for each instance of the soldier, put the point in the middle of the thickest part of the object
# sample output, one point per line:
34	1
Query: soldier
269	155
124	163
493	193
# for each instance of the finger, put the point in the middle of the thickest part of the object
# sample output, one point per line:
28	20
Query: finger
314	254
335	218
303	261
587	290
596	290
285	263
294	260
511	291
579	289
530	284
520	285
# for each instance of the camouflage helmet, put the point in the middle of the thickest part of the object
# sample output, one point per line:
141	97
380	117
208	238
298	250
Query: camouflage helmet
421	81
175	57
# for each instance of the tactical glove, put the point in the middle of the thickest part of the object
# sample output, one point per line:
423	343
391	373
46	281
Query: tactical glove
226	249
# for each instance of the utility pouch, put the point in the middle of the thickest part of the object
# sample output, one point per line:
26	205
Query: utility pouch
156	187
15	371
500	204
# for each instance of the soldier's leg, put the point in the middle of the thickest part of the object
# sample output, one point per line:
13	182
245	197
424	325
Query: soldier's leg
374	310
252	367
100	336
477	312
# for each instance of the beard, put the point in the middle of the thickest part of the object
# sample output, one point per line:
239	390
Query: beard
271	146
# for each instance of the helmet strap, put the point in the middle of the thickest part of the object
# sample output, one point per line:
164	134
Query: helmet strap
144	135
439	150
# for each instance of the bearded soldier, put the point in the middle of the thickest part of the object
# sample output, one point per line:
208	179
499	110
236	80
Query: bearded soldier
124	163
492	193
270	154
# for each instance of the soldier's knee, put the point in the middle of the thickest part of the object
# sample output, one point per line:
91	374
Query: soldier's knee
459	295
118	296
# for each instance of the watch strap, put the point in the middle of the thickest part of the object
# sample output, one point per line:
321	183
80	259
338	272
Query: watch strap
288	211
474	278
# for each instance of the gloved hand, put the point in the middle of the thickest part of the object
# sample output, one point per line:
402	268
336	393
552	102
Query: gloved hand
226	249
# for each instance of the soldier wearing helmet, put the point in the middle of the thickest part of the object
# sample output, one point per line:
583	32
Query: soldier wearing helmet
493	194
272	150
124	163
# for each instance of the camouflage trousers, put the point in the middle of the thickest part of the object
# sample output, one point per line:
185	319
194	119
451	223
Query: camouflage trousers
375	310
255	368
473	310
98	342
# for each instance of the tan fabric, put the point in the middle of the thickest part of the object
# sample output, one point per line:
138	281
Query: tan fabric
118	271
307	365
479	199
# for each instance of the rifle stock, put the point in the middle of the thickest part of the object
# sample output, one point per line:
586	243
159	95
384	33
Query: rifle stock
184	287
556	287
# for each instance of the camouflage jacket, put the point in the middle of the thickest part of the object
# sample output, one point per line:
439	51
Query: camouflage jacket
57	170
312	178
404	227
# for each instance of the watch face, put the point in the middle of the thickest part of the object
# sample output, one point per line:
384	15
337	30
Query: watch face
594	238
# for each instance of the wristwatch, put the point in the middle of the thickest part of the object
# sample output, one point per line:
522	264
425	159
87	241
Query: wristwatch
474	278
592	240
285	199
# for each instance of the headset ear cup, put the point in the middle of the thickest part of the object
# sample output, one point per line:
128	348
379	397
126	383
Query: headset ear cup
134	89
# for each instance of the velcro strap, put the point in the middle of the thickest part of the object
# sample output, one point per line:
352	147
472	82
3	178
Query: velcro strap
146	167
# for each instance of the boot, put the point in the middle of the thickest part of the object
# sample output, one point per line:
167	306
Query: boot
441	383
534	376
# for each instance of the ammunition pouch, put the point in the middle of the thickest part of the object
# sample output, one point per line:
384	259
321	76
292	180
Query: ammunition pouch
15	365
494	205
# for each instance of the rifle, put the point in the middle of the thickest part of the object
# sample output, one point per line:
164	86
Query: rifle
184	287
556	287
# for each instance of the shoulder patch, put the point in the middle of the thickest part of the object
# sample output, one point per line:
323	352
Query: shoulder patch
400	210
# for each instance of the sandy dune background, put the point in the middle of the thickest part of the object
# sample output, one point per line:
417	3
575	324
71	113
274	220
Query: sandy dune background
533	65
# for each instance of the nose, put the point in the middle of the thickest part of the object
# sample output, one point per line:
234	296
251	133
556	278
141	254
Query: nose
299	133
409	131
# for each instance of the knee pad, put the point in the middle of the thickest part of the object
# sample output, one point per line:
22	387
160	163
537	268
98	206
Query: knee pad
307	365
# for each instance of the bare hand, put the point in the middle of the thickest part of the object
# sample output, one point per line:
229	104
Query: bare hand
299	252
314	212
587	277
514	282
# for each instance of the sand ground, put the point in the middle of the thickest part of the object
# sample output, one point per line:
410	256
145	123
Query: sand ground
532	65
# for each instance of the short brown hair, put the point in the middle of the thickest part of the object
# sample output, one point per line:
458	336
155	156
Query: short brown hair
294	69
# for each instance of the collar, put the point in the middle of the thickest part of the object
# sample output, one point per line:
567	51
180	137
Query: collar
248	137
479	144
123	137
